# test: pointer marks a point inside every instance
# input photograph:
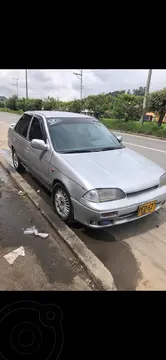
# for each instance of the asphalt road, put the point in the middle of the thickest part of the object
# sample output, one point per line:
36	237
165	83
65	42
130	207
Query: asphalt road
133	252
152	149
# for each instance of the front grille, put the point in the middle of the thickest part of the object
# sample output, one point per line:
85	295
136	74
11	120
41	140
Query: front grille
142	191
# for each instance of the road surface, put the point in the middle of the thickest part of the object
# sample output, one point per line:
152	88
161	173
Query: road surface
135	253
153	149
44	264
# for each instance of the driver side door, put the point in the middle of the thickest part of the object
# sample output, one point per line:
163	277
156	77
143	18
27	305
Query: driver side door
38	160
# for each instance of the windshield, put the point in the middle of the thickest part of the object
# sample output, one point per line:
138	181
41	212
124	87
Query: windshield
71	135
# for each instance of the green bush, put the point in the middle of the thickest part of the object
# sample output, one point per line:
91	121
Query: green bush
28	104
135	127
12	111
11	103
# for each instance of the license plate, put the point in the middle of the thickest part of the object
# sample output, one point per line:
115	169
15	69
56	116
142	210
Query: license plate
146	208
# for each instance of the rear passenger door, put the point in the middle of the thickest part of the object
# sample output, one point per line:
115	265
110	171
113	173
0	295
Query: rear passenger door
20	136
38	160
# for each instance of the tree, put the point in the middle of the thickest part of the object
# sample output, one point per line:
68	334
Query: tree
20	104
128	107
37	104
75	106
11	102
140	91
157	103
48	104
28	104
116	93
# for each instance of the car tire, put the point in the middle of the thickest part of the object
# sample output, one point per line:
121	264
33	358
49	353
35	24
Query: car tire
16	163
62	203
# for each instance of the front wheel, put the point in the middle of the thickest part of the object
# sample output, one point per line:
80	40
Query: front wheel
62	204
16	162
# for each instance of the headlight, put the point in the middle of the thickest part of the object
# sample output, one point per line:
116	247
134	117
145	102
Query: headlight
103	195
163	180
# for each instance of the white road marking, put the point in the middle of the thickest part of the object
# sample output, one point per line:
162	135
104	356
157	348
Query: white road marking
139	136
145	147
13	255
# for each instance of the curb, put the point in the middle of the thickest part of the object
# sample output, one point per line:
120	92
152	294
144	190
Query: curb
138	134
100	275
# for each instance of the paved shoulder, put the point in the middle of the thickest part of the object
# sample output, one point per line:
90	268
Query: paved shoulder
44	263
7	118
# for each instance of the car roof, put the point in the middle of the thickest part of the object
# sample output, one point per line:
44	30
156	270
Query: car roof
63	114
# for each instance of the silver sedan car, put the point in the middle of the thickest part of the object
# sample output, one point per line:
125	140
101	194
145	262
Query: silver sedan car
92	176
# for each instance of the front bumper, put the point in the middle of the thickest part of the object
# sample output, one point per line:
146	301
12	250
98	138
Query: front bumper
118	212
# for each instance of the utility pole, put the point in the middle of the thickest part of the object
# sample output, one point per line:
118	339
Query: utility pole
26	82
80	76
145	96
16	84
81	82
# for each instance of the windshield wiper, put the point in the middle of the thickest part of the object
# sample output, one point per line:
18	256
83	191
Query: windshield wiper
92	150
76	151
111	148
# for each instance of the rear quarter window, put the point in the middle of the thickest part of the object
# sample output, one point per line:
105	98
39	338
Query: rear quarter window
23	124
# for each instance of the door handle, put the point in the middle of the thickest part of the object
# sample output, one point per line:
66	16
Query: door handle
14	139
27	149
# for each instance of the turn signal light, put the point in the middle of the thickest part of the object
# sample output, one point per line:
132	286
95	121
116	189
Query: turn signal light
109	214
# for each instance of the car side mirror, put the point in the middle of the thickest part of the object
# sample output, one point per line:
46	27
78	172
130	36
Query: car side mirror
39	144
12	125
120	139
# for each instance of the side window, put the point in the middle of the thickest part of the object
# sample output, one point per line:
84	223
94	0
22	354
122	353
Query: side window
35	130
22	126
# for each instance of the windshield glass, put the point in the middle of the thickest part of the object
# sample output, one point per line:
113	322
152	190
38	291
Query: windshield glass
71	135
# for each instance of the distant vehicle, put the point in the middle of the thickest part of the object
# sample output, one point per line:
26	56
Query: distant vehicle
92	176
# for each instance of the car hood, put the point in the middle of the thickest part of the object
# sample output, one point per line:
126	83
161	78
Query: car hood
122	168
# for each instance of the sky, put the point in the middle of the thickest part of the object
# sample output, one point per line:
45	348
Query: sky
65	86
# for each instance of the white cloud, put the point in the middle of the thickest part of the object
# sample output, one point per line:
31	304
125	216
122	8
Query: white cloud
64	85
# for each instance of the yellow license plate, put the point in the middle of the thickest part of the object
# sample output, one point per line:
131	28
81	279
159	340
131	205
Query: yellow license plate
146	208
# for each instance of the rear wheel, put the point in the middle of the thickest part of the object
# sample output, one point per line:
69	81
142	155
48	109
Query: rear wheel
16	162
62	204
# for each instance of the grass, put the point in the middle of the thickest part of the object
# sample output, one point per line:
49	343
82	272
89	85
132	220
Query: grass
19	112
135	127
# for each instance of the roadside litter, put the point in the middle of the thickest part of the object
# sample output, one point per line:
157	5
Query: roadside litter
21	193
33	230
13	255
